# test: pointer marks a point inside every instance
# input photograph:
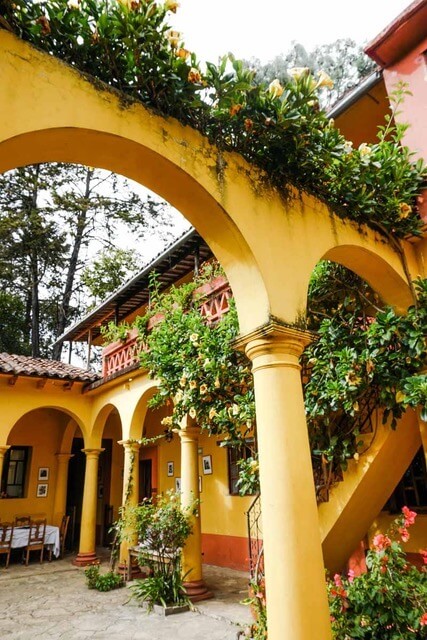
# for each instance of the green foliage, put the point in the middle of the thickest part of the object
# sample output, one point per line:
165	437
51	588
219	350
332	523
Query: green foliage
114	332
366	359
162	527
389	602
279	128
360	364
108	271
102	582
13	330
256	600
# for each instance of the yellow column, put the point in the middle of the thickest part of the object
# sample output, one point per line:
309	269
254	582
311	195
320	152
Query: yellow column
87	553
60	500
130	492
192	553
3	449
297	605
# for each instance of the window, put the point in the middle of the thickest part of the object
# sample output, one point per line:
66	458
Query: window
234	455
15	466
412	489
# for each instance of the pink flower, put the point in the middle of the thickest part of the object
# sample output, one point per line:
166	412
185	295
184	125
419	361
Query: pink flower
423	620
337	580
381	542
423	552
409	516
350	575
404	533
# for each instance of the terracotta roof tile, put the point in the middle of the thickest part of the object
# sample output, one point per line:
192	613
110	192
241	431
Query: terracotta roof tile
43	368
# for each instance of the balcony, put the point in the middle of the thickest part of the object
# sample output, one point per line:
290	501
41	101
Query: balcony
123	356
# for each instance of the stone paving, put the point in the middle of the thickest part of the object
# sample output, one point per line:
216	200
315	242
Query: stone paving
52	601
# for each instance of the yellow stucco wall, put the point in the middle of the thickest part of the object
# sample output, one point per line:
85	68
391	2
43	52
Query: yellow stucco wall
42	431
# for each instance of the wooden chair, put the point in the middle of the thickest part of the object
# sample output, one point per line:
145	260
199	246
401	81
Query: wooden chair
36	535
22	521
63	528
63	534
6	533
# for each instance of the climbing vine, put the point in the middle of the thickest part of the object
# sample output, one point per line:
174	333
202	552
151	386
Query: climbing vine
365	362
129	45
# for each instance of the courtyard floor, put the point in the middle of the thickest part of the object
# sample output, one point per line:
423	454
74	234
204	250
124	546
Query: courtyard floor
52	601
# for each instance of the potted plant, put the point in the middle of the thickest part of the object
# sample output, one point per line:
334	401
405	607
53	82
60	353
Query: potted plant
162	527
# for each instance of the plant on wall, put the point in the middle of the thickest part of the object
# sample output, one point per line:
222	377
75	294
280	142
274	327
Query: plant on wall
364	358
280	128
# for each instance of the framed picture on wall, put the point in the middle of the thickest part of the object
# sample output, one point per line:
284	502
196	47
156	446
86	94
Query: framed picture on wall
42	490
170	469
43	474
178	484
207	465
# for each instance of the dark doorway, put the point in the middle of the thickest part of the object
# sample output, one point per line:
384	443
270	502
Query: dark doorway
75	486
145	467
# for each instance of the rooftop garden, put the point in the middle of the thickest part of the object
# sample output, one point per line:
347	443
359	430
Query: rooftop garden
280	128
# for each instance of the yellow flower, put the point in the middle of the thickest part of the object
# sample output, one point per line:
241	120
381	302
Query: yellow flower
203	389
183	381
355	406
167	422
404	210
73	4
356	457
400	397
194	337
275	89
353	379
174	37
297	73
171	5
212	414
324	80
192	413
178	396
348	146
234	109
182	53
194	75
193	384
217	383
365	149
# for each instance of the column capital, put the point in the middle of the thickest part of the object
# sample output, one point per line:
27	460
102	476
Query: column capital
93	453
64	457
276	343
131	445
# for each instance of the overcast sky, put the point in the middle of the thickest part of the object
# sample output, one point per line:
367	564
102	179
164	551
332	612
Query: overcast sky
266	28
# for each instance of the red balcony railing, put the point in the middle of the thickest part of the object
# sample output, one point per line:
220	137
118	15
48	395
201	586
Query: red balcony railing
122	355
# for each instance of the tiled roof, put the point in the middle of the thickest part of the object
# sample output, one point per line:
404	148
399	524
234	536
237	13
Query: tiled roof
39	367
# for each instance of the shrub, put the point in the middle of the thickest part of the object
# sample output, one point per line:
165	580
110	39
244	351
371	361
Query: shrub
102	582
389	602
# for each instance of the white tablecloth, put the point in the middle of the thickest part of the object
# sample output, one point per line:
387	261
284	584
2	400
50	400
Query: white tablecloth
51	539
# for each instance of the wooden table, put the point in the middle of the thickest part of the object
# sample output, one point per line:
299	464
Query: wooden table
51	539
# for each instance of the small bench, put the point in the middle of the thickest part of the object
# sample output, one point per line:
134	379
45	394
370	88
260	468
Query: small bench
150	555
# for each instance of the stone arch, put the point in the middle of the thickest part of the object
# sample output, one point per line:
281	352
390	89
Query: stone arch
68	436
64	410
378	273
94	440
267	246
140	411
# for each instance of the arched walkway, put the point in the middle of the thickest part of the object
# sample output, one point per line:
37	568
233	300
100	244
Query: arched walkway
268	249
